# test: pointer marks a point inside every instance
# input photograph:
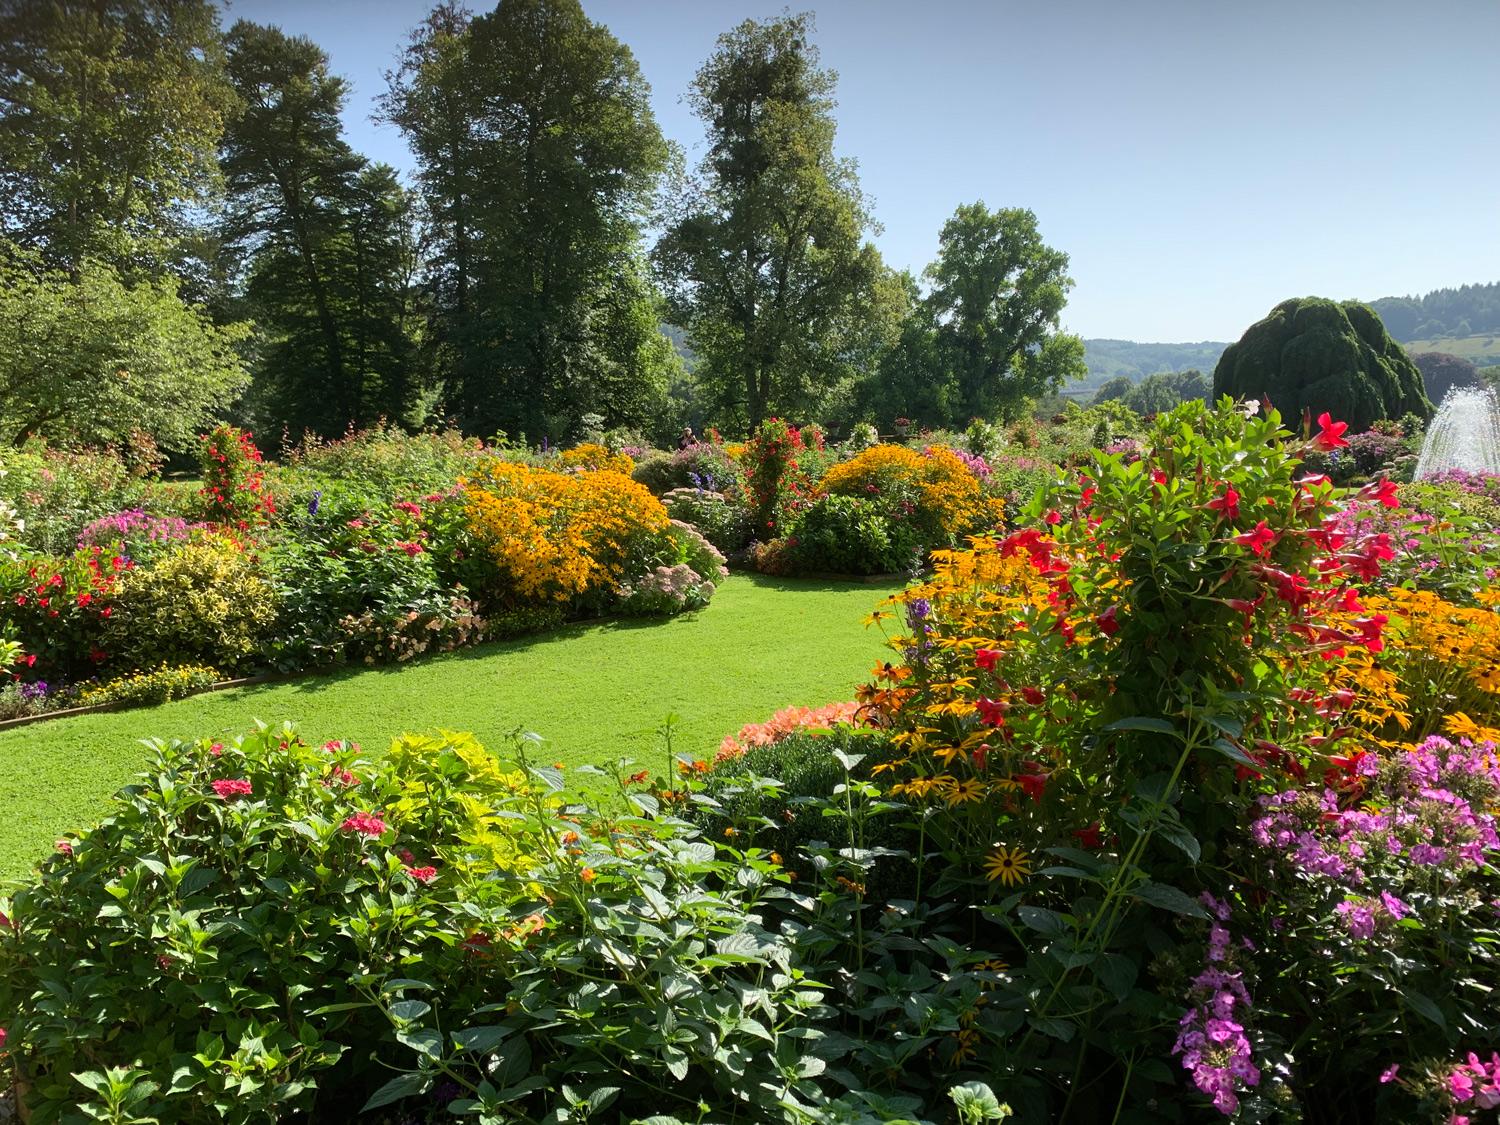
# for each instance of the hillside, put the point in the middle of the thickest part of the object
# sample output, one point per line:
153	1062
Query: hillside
1109	358
1469	310
1478	350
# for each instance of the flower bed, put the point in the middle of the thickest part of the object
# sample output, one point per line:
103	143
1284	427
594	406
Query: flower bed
373	548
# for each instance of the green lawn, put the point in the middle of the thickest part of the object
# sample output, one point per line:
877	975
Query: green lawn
595	692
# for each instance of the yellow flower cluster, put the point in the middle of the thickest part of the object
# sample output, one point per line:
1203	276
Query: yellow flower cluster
1441	661
555	536
592	455
947	494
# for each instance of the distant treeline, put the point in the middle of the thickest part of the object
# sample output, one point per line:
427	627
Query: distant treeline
1109	359
1469	310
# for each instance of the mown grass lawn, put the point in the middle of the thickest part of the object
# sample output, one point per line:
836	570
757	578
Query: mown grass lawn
594	692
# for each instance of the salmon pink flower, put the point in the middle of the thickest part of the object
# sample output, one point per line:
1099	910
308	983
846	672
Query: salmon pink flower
230	787
423	875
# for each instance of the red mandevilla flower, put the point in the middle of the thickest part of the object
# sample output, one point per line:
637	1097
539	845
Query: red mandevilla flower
985	658
1108	625
1227	505
1330	435
1259	539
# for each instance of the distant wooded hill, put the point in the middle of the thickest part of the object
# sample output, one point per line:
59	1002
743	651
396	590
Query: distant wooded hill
1107	359
1469	310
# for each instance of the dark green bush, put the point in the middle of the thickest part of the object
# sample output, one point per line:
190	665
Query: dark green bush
851	535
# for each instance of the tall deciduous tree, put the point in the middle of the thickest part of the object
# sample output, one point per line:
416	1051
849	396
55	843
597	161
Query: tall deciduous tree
328	239
997	294
110	111
539	157
84	357
766	261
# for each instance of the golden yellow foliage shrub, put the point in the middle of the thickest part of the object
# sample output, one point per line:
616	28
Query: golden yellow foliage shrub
557	536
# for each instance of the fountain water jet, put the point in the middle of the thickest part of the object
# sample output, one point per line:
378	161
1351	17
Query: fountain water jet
1464	435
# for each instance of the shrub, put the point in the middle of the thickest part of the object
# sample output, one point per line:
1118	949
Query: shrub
386	459
56	493
170	681
724	522
219	935
851	535
559	536
204	601
233	491
774	480
934	488
60	610
705	466
354	579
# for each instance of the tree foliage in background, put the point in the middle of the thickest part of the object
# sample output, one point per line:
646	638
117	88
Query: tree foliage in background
1315	354
997	296
765	259
1163	390
109	114
539	157
1442	372
330	243
86	358
1464	311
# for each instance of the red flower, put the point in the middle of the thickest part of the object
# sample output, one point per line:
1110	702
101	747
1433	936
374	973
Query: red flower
1370	629
1089	837
423	875
1053	518
1107	623
230	787
1158	478
1033	696
639	777
1330	435
84	599
991	712
364	824
985	658
1383	490
217	749
1259	539
1227	505
1033	784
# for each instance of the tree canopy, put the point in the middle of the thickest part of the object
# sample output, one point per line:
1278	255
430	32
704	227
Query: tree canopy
1312	353
86	358
329	243
111	113
765	258
538	160
1442	372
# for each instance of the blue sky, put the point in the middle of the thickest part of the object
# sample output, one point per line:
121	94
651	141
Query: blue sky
1199	160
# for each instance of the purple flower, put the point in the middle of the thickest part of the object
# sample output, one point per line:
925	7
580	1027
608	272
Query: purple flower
312	504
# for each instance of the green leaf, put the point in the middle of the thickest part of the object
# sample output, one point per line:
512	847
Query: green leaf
1170	898
1143	722
408	1010
403	1086
1424	1006
480	1039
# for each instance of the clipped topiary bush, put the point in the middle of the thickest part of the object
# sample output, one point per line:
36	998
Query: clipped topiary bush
1314	354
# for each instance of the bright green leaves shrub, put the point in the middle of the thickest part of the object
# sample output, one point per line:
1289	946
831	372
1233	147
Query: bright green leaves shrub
203	601
265	930
851	535
214	943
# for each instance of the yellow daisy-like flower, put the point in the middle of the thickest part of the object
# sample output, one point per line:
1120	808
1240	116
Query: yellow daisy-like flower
1011	867
965	791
